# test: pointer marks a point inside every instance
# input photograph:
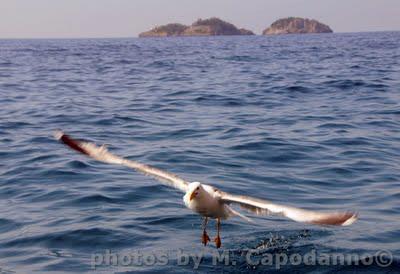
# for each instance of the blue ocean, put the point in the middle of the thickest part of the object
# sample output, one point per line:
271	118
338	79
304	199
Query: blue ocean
311	121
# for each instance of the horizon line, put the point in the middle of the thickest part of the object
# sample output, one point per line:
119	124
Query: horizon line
137	37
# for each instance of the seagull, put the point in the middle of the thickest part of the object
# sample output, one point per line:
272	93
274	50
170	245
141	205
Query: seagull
207	200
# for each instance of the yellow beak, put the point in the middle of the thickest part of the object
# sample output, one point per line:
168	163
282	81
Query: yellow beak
192	195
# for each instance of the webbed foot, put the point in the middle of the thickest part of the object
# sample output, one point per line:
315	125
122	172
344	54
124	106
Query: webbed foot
217	241
205	239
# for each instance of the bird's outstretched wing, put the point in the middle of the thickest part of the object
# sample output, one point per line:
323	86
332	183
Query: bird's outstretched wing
103	155
262	207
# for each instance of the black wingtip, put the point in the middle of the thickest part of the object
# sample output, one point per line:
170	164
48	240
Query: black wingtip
67	140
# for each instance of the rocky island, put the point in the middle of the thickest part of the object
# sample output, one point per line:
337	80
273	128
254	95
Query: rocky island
207	27
296	25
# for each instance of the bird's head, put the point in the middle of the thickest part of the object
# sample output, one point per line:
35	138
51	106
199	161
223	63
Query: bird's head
195	190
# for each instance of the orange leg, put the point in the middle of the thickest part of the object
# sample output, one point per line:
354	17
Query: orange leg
217	239
205	239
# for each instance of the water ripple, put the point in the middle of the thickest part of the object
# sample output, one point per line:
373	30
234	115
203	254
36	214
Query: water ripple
309	121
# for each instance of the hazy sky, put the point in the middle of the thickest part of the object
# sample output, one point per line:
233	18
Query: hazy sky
126	18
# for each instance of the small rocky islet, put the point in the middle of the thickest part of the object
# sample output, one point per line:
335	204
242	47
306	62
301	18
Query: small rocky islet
215	26
207	27
296	25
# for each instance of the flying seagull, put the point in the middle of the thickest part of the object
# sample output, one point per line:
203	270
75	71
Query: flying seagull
207	200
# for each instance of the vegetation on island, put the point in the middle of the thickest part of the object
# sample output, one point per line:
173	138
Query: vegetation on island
202	27
215	26
296	25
